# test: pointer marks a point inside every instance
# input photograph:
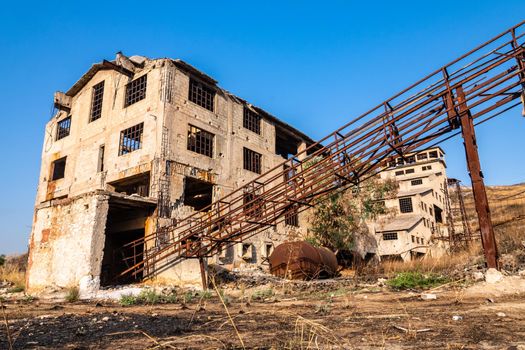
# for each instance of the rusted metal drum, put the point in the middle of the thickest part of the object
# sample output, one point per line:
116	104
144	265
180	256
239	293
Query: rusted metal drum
301	260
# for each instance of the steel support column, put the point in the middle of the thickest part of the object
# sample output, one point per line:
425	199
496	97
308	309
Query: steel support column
478	186
204	277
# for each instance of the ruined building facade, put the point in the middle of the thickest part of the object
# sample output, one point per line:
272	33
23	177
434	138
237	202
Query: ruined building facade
135	144
418	219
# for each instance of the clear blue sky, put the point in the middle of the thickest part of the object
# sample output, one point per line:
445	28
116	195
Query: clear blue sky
313	64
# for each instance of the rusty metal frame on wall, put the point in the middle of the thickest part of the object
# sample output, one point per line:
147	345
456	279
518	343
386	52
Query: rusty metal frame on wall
490	78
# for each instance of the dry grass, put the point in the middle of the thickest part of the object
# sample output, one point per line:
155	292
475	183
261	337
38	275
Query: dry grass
13	271
445	265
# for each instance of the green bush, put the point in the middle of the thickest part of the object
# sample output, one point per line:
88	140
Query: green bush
128	300
416	280
149	297
263	294
16	289
2	260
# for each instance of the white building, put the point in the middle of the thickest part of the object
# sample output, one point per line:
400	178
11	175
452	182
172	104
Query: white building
418	224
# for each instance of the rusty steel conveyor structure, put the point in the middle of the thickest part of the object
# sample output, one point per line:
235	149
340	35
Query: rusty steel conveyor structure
474	88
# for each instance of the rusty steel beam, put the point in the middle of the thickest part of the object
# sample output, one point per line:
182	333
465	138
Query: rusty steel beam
488	238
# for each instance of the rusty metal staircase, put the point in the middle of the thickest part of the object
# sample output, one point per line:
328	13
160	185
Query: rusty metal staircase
485	82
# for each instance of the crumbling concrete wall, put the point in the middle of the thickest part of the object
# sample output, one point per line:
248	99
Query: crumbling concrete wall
67	242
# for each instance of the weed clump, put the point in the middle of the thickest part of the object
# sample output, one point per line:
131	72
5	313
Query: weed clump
416	280
72	294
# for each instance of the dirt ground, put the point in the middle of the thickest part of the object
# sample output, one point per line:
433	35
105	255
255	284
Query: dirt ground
338	316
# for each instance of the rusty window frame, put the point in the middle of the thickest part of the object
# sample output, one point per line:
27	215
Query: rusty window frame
136	90
63	128
252	160
405	205
200	141
251	120
131	139
97	96
201	94
58	170
390	236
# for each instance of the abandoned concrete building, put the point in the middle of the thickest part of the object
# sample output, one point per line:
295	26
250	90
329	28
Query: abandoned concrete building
418	225
135	144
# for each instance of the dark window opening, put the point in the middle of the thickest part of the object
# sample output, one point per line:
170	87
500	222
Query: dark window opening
201	94
253	205
413	239
136	90
409	171
59	169
389	236
405	205
131	139
411	159
251	120
96	101
248	252
285	143
200	141
100	164
427	167
291	217
198	194
134	185
252	160
400	161
416	182
438	214
63	128
400	172
268	250
433	154
422	156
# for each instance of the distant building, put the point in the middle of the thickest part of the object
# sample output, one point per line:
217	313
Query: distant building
419	224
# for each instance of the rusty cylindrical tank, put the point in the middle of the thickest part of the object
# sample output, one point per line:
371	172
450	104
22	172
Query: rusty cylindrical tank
301	260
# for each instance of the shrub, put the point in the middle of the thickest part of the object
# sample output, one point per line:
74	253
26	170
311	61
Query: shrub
413	280
149	297
72	295
263	294
128	300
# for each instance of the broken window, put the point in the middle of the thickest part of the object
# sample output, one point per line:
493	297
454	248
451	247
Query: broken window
291	217
136	90
200	141
100	164
422	156
253	205
438	214
410	171
389	236
416	182
427	167
400	161
433	154
198	194
138	185
252	160
405	205
63	128
268	249
247	252
96	101
251	120
59	169
131	139
411	159
201	94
